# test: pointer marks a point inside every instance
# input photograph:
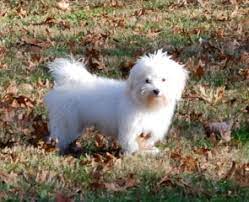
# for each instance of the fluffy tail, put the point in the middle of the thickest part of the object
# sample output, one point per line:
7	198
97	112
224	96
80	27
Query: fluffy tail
69	71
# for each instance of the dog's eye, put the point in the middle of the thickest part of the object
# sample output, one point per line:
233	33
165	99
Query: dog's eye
163	79
147	81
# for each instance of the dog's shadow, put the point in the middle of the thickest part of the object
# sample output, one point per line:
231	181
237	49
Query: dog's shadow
91	143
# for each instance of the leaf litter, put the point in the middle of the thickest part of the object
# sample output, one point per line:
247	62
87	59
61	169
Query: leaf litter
217	53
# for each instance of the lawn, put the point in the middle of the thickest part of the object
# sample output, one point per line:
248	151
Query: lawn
198	161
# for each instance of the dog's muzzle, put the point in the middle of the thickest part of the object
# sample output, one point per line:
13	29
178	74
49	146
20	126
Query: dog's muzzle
156	92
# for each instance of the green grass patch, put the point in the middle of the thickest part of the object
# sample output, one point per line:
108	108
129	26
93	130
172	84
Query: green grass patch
242	134
121	31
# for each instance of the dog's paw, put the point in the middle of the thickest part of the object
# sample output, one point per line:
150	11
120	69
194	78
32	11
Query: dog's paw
152	151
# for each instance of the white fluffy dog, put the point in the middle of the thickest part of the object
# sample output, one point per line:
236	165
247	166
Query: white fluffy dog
143	104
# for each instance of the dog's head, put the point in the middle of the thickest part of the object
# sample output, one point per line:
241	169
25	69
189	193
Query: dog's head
156	80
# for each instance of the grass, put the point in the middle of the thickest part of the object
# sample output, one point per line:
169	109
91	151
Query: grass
242	134
191	166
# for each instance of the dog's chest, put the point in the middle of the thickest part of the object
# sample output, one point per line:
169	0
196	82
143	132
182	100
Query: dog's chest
149	122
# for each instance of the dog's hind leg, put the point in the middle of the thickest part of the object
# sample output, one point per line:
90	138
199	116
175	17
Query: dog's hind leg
65	140
63	131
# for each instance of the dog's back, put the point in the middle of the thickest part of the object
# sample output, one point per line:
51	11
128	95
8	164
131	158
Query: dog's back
79	100
69	71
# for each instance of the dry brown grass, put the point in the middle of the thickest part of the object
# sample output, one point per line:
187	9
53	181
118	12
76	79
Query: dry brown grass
191	166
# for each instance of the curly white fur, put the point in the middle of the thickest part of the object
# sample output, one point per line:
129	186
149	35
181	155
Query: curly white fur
144	103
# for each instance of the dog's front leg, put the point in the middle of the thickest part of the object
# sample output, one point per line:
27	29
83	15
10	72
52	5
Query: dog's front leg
127	140
150	145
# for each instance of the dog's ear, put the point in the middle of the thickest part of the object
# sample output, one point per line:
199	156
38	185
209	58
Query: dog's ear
130	80
182	77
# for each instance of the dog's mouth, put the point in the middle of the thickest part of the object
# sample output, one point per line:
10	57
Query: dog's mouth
156	96
154	101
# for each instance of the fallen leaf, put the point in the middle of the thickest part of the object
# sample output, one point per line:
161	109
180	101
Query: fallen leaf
231	171
21	12
10	178
24	101
189	164
12	89
244	73
166	180
95	59
195	116
34	45
126	66
139	12
2	51
219	129
200	71
40	129
63	5
3	13
212	96
204	151
60	197
114	3
241	174
247	109
100	141
121	184
3	66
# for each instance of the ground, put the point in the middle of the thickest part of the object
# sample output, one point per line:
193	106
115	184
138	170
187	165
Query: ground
205	156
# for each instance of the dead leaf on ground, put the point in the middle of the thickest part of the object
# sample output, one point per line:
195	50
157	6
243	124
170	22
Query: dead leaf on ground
188	164
204	152
121	184
126	66
100	141
21	12
219	129
2	51
166	180
36	42
40	128
244	73
3	13
200	71
196	116
43	84
95	59
247	109
104	161
3	66
10	100
212	96
241	174
51	21
231	171
96	39
184	163
45	176
94	42
60	197
11	89
114	3
25	101
63	5
139	12
10	178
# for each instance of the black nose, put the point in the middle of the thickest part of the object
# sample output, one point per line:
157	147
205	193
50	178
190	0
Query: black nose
156	91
